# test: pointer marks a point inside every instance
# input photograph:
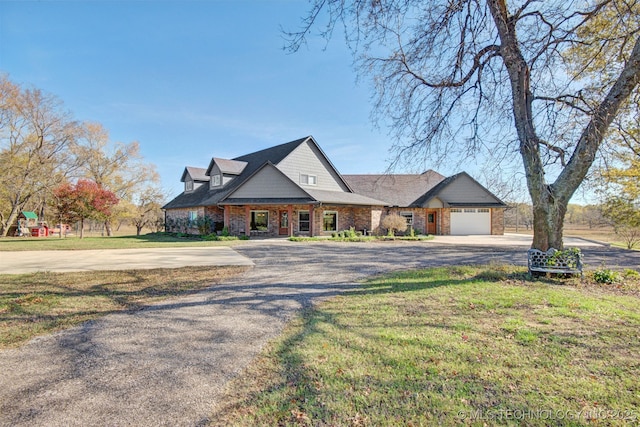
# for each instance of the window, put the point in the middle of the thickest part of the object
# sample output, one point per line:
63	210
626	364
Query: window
469	211
215	181
330	221
456	210
308	179
188	185
260	220
193	217
409	217
303	221
483	210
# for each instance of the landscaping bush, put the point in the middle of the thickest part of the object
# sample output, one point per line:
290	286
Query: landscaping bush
605	276
394	223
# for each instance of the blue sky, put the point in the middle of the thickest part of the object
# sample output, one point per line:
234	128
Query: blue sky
193	79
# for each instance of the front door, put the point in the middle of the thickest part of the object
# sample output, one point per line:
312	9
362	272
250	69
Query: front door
283	230
432	222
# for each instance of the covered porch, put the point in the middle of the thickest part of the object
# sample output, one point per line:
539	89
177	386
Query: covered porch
296	219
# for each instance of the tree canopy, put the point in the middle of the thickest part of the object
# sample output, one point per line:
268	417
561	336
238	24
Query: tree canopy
541	79
42	147
83	200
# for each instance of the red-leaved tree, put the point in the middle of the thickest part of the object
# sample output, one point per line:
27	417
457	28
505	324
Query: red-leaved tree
83	200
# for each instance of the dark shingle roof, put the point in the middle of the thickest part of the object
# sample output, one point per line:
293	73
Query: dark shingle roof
203	196
396	190
344	198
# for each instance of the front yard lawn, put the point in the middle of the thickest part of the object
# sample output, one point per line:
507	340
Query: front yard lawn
40	303
151	240
452	346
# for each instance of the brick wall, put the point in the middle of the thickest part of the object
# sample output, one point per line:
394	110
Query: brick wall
419	218
176	220
497	221
445	221
360	218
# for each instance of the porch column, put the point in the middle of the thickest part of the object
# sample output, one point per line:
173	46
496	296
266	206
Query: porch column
227	216
311	221
290	215
247	220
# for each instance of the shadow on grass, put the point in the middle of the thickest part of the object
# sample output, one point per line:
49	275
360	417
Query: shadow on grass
33	304
346	364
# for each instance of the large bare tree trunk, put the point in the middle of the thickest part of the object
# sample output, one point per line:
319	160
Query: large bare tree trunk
550	200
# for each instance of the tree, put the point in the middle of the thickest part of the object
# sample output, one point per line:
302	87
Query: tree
393	223
117	167
624	215
35	136
449	76
147	208
84	200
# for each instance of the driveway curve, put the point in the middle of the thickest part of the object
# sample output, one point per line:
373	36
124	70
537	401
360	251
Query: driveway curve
168	363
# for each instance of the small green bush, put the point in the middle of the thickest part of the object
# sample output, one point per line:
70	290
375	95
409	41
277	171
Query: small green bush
631	274
605	276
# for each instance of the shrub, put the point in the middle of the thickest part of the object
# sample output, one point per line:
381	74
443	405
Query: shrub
204	224
394	223
632	274
568	257
605	276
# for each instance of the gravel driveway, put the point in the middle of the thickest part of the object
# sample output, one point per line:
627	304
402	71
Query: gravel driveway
167	364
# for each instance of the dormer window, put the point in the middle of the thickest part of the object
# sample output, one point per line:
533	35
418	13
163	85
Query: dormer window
188	185
306	179
215	180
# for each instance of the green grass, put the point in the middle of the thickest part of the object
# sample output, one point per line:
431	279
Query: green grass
151	240
464	345
41	303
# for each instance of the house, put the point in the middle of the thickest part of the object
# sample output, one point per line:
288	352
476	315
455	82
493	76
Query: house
294	189
434	204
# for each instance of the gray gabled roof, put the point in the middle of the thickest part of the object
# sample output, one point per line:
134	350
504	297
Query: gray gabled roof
481	197
396	189
196	174
204	196
230	167
418	190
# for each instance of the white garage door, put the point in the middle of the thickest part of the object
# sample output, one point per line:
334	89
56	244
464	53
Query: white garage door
470	221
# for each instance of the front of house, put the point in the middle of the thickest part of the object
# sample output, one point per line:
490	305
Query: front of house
293	189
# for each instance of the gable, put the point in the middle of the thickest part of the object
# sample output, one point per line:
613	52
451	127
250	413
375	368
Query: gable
464	190
194	174
225	166
307	159
268	183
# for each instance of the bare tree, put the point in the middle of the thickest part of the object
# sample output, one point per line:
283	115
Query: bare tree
117	167
471	75
35	136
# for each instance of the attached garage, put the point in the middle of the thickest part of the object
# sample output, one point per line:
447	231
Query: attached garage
466	221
